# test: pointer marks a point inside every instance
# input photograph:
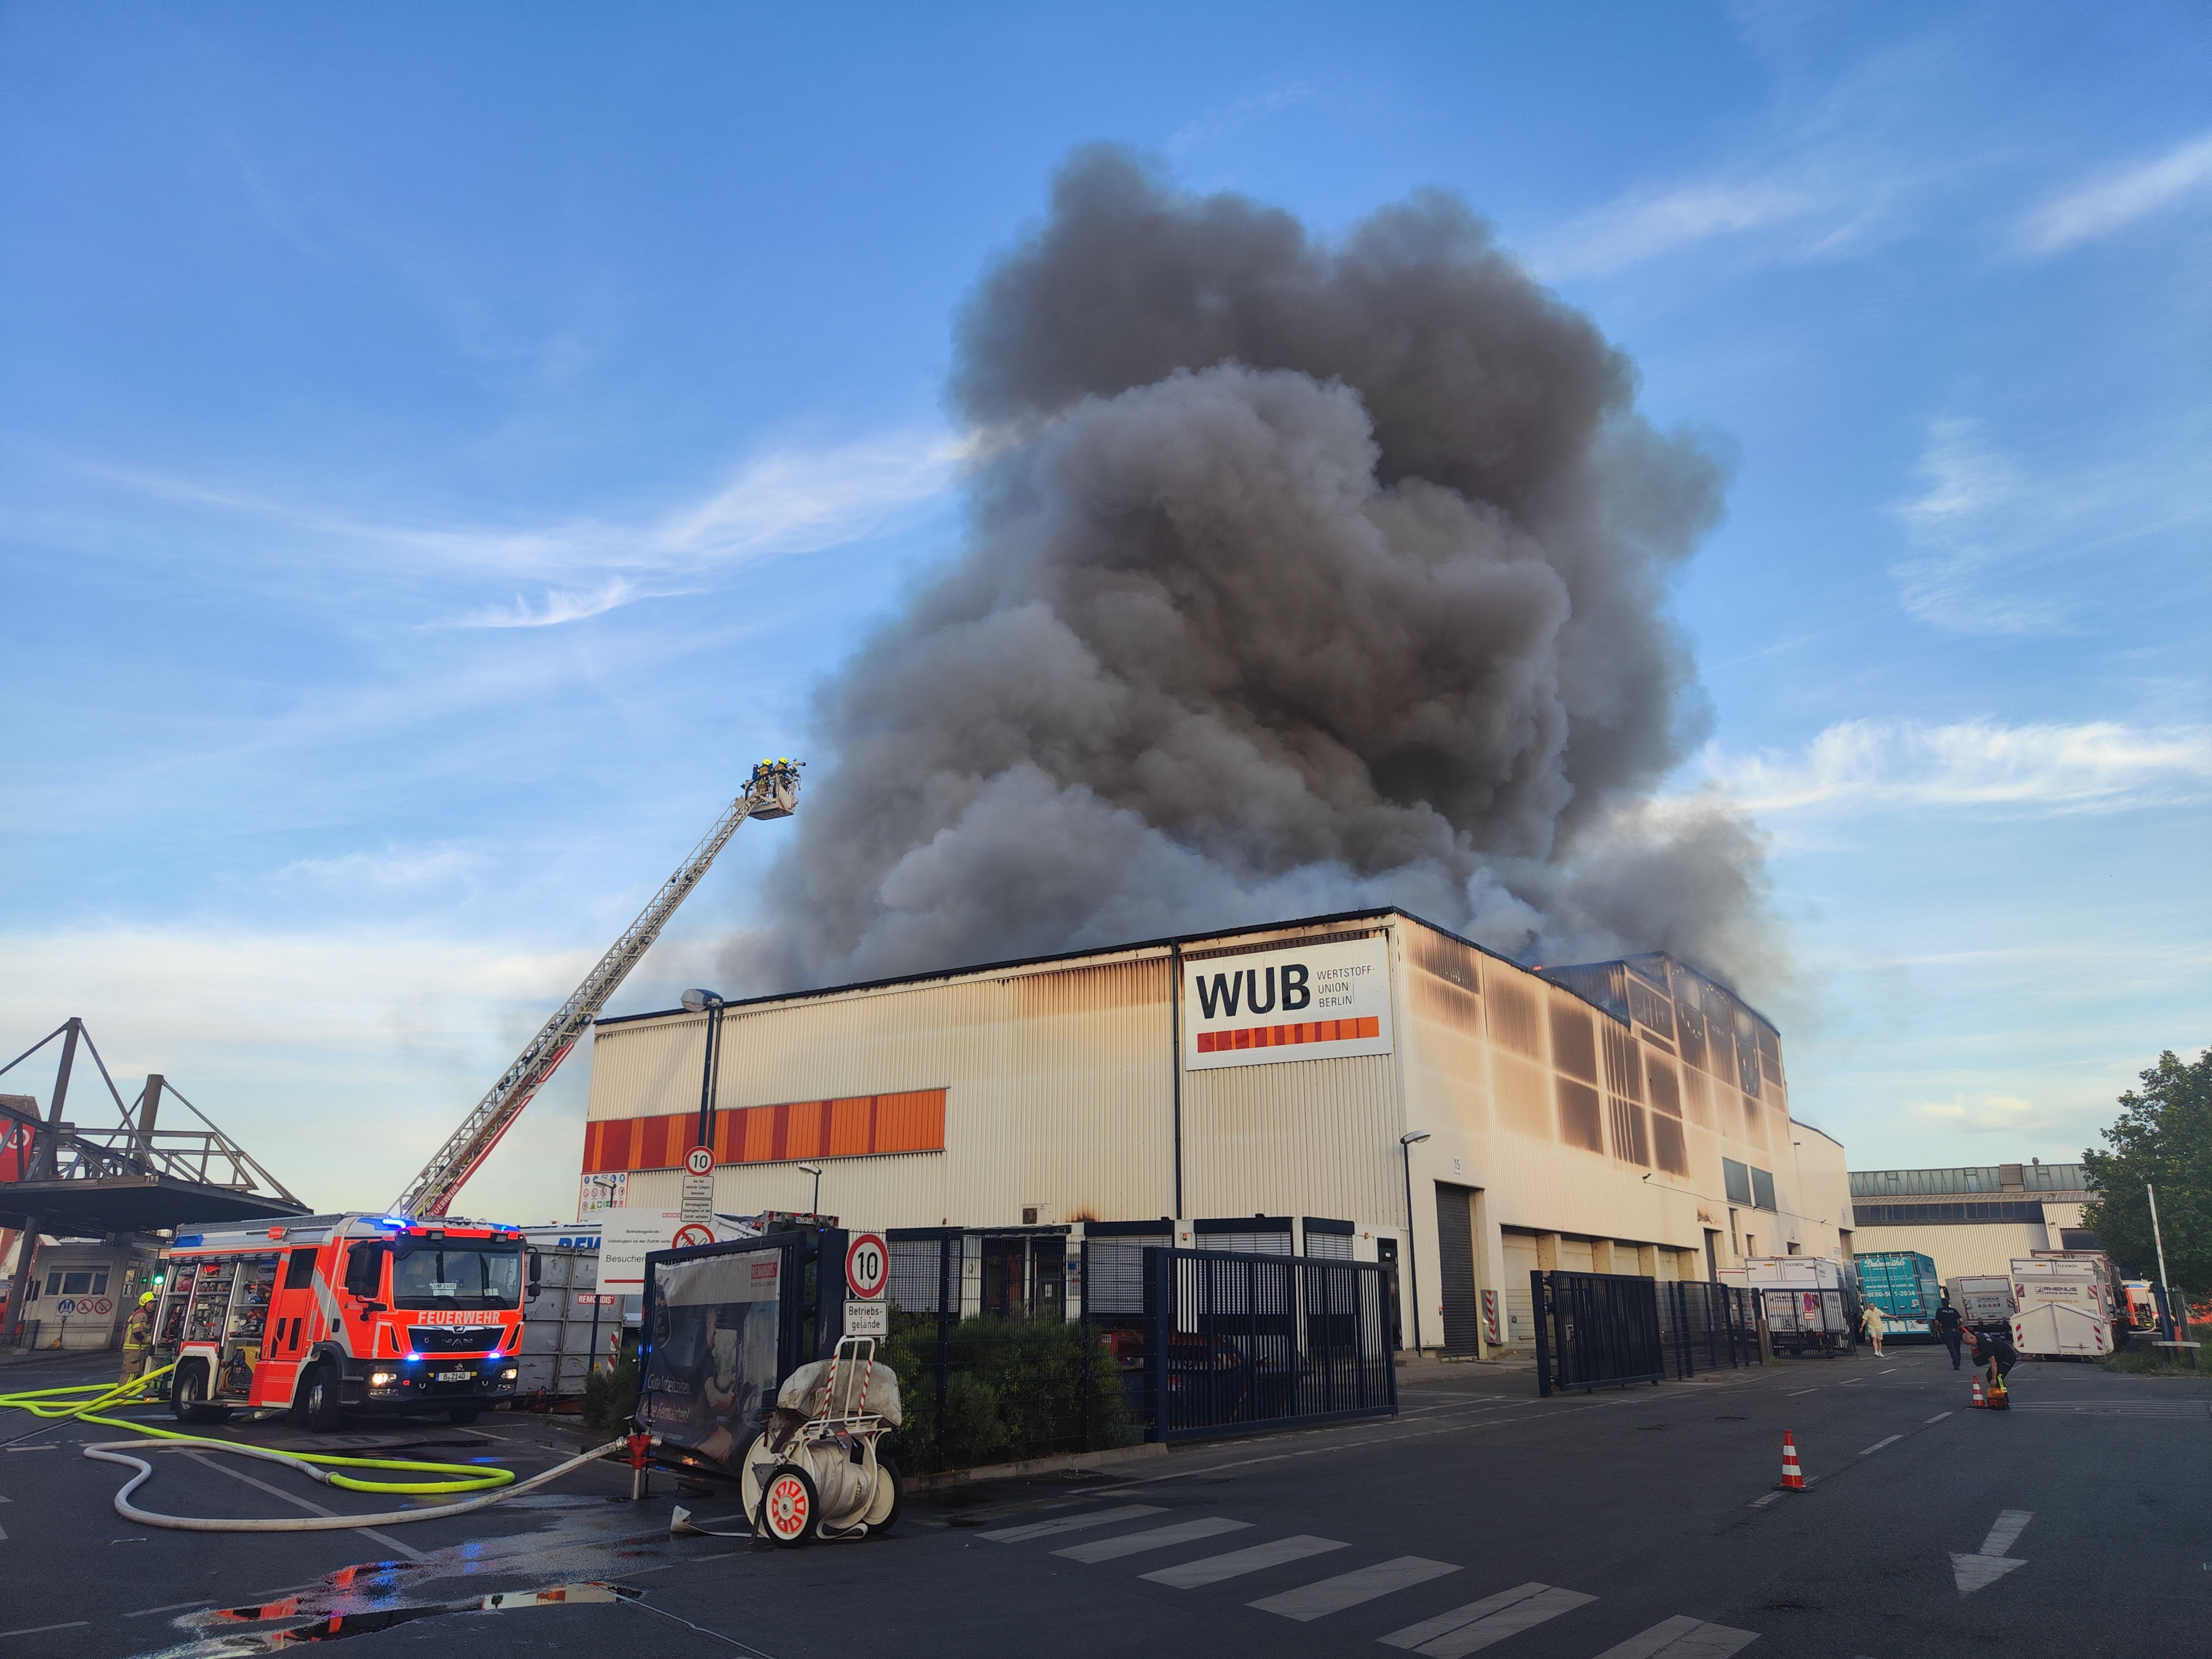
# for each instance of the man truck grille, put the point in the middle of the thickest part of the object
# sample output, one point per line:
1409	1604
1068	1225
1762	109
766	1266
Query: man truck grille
453	1338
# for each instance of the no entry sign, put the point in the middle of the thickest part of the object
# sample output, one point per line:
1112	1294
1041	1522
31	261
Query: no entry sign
867	1267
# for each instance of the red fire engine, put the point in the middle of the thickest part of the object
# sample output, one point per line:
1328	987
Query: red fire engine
327	1314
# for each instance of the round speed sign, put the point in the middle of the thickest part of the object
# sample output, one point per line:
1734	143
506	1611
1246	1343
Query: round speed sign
867	1267
700	1160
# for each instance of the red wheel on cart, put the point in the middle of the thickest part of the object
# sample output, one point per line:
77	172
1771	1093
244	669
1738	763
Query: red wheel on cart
789	1509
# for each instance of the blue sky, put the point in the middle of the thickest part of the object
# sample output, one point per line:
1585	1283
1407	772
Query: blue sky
439	450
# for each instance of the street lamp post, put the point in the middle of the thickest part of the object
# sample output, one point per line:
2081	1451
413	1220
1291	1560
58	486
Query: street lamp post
1406	1142
707	1003
809	1169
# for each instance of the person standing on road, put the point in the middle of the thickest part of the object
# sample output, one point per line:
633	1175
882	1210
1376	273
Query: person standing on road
137	1337
1870	1323
1951	1328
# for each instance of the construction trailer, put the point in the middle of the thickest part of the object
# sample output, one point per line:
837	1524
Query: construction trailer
2064	1309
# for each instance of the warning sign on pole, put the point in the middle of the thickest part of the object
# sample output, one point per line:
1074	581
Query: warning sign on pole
867	1268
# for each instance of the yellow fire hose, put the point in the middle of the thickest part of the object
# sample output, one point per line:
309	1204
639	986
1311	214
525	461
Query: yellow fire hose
66	1404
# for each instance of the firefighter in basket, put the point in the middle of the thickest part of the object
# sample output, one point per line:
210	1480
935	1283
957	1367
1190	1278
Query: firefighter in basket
815	1471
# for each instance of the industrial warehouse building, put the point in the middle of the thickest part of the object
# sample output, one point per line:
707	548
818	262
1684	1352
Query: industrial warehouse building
1252	1089
1974	1219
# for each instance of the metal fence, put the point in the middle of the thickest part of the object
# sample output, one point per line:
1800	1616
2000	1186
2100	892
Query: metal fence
1235	1343
1595	1330
987	1388
1707	1327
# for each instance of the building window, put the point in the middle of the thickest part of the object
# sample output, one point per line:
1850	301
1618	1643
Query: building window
1736	1179
1580	1121
1574	1051
1762	1190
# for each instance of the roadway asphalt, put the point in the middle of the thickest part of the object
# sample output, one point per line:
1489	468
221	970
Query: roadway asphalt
1639	1523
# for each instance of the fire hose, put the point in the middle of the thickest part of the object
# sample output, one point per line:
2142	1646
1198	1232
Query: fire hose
494	1485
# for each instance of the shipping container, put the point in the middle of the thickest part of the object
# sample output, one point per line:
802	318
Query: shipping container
1904	1286
569	1326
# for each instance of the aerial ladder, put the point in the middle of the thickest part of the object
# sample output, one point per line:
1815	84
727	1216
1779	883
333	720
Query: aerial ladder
772	792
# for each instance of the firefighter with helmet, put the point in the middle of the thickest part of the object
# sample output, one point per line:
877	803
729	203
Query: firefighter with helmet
137	1337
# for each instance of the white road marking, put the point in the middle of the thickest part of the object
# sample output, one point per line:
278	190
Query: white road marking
1761	1503
2010	1524
1886	1373
1324	1597
33	1630
1993	1562
1479	1624
1938	1418
1879	1444
173	1607
1159	1537
1212	1569
1682	1638
1794	1393
205	1462
1070	1523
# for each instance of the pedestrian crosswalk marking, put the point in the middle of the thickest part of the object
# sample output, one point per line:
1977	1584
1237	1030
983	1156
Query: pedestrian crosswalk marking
1214	1568
1682	1638
1069	1523
1478	1625
1318	1599
1159	1537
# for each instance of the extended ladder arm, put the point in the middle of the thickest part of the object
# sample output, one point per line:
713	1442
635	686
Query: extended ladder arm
771	792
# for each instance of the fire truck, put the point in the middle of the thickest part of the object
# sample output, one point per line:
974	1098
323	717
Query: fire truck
323	1315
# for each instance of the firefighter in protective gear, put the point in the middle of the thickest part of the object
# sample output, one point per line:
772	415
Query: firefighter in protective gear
137	1337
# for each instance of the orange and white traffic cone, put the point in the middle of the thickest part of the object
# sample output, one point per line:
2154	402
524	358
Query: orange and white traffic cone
1978	1403
1793	1478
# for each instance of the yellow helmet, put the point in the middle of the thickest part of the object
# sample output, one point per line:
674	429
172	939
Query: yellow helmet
149	1297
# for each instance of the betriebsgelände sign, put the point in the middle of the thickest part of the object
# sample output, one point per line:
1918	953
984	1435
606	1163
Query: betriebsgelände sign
1295	1002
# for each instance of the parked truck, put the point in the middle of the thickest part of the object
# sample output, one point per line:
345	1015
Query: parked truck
2064	1308
1806	1301
1984	1299
1904	1286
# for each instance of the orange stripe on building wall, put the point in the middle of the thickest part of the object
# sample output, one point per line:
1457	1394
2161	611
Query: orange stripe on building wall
1277	1037
852	1127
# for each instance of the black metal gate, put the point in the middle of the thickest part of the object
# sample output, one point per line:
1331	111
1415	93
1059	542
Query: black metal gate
1595	1330
1708	1327
1243	1344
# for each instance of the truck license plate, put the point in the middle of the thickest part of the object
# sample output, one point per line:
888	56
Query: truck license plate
453	1376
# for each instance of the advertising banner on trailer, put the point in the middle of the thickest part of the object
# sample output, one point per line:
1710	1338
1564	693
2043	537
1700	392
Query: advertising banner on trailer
1289	1002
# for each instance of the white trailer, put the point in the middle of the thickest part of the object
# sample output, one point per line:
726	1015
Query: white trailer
1802	1300
2062	1310
1984	1299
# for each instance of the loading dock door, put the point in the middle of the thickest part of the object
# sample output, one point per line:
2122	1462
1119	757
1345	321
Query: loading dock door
1455	1249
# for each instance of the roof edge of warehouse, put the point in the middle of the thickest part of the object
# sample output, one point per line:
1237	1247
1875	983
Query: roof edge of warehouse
1167	942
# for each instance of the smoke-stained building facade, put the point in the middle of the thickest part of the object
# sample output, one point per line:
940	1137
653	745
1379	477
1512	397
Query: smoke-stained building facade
1253	1088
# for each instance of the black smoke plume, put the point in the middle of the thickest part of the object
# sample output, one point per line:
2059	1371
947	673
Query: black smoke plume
1301	576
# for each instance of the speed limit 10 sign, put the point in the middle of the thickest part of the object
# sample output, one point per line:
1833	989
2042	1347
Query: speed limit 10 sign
700	1160
867	1267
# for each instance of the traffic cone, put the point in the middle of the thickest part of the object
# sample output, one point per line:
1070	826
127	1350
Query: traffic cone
1793	1478
1979	1404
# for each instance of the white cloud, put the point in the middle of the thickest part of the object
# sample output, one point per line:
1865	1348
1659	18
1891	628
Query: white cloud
1985	1114
1979	508
1881	765
2119	198
1227	117
558	605
1646	225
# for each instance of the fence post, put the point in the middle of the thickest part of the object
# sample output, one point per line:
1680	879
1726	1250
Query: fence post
946	1282
1083	1325
1159	1319
1543	1337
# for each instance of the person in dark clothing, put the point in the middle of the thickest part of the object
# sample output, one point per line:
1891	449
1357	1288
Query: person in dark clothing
1993	1348
1951	1329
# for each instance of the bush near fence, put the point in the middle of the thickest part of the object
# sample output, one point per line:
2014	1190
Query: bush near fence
1012	1389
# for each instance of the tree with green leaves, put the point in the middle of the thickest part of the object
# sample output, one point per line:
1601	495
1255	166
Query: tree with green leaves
2163	1136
